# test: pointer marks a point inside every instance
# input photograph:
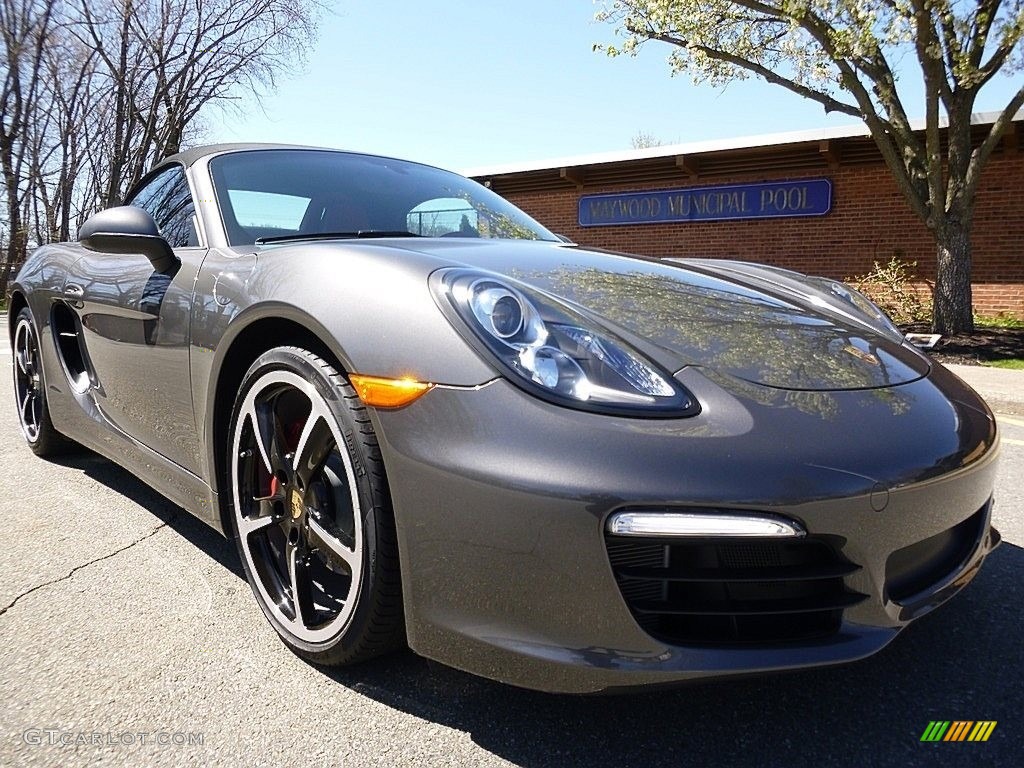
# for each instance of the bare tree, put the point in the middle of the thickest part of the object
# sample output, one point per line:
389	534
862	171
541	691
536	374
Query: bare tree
62	123
96	92
25	26
168	59
644	140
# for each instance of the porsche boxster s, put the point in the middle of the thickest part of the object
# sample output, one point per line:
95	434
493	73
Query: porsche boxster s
427	420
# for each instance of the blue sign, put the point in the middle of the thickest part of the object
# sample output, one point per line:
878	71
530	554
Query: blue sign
804	197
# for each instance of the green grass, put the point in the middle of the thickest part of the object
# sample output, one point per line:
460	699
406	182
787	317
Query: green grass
1013	363
998	321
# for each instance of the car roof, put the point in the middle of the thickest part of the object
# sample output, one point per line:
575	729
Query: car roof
189	156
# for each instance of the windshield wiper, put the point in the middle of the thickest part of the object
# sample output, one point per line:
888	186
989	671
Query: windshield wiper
362	233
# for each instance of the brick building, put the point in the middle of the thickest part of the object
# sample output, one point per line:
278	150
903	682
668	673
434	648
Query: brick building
637	201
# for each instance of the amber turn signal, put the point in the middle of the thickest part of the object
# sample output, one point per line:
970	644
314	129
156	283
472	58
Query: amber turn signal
388	393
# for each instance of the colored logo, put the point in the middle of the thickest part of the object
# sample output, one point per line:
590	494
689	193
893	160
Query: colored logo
958	730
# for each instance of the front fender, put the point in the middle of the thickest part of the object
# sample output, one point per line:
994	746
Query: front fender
370	306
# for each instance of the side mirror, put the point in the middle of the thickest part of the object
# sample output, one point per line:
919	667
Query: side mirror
128	229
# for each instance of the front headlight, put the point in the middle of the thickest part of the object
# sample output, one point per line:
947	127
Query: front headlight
552	351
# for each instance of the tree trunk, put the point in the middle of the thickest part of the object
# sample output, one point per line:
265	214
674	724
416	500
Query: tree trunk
15	251
953	306
14	256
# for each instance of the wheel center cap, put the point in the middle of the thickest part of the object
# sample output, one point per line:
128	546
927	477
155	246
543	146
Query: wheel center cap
296	504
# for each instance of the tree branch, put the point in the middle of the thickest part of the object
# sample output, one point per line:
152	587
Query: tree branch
980	156
829	103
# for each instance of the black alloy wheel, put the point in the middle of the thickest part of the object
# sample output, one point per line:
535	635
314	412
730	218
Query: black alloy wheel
30	390
312	514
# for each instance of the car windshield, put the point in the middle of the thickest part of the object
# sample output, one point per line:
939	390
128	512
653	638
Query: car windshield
294	193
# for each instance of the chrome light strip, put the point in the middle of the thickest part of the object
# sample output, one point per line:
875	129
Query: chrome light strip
701	524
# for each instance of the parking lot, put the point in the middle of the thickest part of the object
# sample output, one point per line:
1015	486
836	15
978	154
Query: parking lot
126	622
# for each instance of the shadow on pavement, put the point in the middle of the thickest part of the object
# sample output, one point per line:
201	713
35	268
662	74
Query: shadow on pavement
962	662
121	481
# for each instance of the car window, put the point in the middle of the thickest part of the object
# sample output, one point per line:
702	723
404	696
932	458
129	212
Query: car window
268	213
168	199
268	192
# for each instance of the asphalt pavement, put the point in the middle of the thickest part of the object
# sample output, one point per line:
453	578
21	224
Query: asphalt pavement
128	636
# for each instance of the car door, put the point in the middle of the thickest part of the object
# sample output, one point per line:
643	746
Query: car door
135	325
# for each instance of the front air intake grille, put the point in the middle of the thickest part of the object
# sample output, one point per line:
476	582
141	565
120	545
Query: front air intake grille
732	591
917	568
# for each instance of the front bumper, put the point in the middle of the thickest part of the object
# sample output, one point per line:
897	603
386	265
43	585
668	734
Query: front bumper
501	500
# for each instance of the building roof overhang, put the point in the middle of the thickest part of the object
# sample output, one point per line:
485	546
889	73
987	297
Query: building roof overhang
820	150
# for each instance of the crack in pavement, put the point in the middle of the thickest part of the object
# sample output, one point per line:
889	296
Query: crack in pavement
77	568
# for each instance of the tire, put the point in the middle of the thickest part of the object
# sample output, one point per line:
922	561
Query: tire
30	390
311	510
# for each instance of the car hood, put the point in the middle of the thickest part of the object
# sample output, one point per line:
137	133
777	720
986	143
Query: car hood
758	324
763	326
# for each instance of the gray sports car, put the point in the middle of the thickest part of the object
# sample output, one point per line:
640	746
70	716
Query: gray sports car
426	419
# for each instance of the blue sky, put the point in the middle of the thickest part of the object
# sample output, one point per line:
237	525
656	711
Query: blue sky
461	84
